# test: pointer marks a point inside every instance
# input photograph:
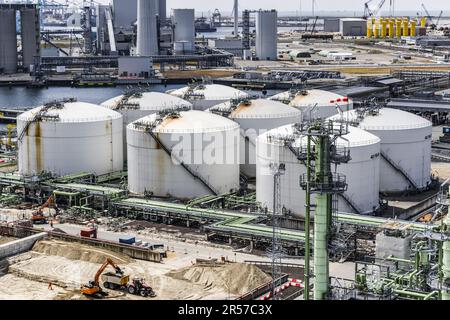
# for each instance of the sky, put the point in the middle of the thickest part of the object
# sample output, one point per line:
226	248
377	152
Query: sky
294	5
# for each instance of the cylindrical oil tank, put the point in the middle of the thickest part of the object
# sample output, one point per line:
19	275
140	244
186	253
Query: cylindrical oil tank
423	22
135	106
315	104
398	28
391	28
413	28
266	34
147	35
204	96
8	41
405	147
383	28
369	28
376	30
362	172
183	21
189	154
255	117
70	137
405	27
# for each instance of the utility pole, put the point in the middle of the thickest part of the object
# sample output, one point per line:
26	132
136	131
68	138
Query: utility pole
236	18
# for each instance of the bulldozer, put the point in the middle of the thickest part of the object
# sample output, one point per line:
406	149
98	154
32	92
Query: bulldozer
93	289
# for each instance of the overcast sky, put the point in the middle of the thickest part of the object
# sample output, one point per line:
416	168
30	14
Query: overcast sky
294	5
434	6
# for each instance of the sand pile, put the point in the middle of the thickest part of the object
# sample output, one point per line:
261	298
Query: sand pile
235	278
76	251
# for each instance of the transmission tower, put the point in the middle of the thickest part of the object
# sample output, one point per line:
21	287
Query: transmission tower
276	252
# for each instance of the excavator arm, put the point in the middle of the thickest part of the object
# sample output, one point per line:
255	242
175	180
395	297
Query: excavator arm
94	289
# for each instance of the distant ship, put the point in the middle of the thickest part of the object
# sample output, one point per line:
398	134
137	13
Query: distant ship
201	25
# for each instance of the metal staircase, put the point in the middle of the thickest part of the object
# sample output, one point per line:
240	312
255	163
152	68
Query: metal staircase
124	101
42	114
174	113
350	202
399	169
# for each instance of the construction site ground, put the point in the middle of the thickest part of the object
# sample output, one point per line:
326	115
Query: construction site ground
69	265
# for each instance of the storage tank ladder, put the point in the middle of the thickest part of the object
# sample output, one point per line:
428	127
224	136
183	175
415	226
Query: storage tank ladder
124	101
42	114
400	170
149	128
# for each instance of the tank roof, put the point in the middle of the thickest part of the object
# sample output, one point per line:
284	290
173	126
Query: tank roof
211	92
260	108
150	101
72	112
388	119
309	98
356	137
191	121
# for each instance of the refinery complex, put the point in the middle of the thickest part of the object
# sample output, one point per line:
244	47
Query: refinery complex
154	152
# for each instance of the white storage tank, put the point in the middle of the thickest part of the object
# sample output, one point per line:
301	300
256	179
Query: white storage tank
204	96
362	172
255	117
266	34
183	21
405	147
183	154
70	137
315	104
134	106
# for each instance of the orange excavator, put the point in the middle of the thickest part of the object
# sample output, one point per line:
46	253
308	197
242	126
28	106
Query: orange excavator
38	217
93	289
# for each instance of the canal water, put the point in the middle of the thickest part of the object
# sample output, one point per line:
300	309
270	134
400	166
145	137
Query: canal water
24	98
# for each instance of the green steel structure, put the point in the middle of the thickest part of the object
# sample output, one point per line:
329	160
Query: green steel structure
324	184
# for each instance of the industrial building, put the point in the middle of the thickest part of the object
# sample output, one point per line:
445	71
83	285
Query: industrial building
170	150
183	21
231	45
326	191
266	35
353	27
254	118
29	37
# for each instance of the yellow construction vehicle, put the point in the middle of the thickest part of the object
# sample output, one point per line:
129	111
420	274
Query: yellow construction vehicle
93	289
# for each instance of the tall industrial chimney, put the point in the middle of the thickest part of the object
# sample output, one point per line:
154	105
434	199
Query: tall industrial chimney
147	36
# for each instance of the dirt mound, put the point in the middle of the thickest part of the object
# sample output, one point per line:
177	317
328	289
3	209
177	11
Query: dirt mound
235	278
76	251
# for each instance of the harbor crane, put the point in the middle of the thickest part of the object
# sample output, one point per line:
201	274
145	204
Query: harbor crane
369	12
433	25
